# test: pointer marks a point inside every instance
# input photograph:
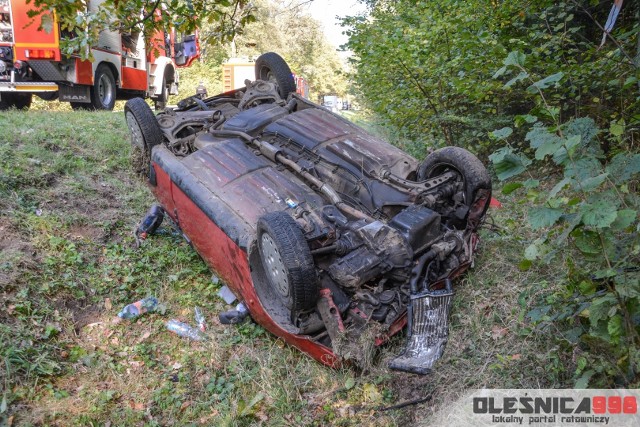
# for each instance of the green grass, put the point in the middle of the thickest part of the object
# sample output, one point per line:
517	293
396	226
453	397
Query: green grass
68	205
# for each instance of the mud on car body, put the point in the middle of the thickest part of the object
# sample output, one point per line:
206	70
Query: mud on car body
333	238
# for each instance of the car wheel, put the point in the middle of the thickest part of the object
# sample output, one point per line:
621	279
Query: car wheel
477	183
145	132
272	68
287	261
103	91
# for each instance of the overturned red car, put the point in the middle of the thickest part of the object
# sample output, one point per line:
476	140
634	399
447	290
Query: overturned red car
332	238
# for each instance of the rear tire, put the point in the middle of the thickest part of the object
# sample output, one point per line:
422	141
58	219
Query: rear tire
287	261
272	68
102	93
477	183
145	133
20	101
161	101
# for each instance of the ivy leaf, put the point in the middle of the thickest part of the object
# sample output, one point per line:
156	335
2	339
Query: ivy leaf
500	72
599	308
593	183
625	218
525	265
549	147
622	167
508	164
583	126
617	128
511	187
532	252
503	133
628	285
540	217
587	287
515	58
599	214
559	187
521	76
614	327
587	241
46	23
583	381
546	82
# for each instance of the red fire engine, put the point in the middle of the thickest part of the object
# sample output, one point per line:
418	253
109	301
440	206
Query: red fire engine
124	65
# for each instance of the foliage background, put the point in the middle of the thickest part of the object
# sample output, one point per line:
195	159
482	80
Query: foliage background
528	84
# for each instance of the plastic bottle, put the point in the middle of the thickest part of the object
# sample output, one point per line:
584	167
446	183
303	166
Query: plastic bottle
139	307
151	221
200	320
184	330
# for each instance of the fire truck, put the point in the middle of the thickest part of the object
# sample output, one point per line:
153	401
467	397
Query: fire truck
123	65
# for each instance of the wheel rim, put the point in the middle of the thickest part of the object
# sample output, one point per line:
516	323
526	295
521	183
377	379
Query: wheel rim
274	265
136	132
105	90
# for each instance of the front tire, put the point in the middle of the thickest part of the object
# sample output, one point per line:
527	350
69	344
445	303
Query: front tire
287	261
145	133
272	68
477	183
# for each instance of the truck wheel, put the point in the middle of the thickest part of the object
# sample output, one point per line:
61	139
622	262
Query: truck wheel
103	91
6	101
272	68
21	101
145	132
161	101
477	183
287	261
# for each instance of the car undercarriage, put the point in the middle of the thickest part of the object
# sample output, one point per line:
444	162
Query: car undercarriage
333	238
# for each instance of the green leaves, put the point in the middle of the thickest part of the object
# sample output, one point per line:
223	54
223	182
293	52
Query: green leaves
515	58
503	133
541	217
546	82
507	164
599	214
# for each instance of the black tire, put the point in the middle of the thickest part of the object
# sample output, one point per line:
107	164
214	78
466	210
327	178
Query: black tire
287	261
103	91
477	183
20	101
145	132
272	68
80	106
6	101
161	101
48	96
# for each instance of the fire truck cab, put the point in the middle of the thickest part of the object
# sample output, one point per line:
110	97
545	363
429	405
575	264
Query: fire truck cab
124	65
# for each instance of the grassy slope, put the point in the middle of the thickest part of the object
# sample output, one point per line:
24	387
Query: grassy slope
68	205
